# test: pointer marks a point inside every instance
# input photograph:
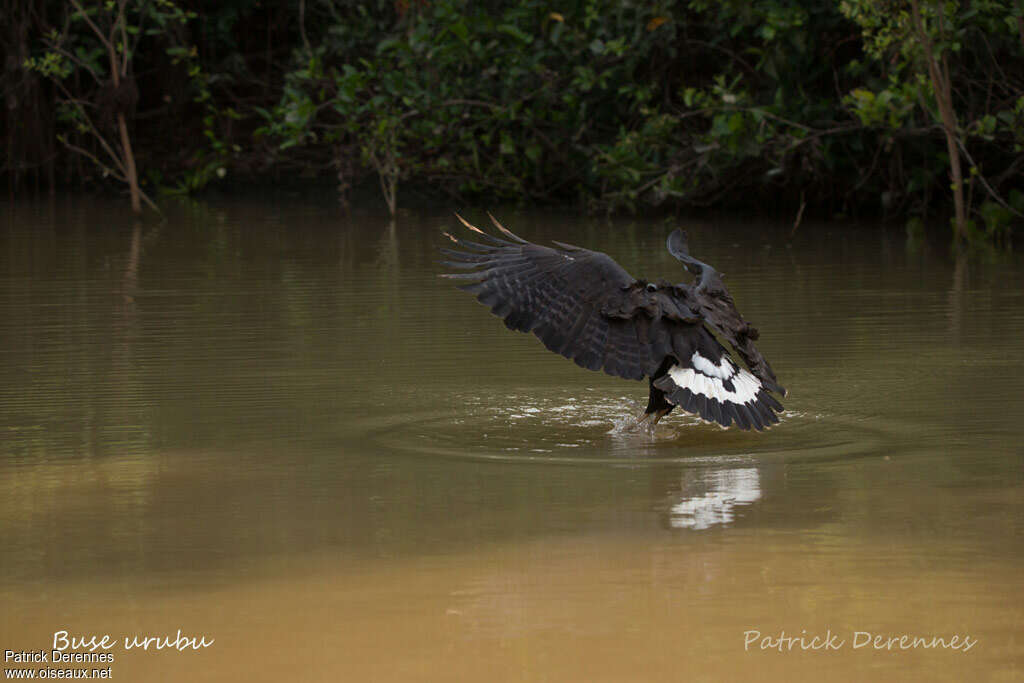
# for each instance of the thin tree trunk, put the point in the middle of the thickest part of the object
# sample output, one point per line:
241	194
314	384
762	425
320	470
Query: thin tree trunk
942	89
129	164
949	126
119	70
127	157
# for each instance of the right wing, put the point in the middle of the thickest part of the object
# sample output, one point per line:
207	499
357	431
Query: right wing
716	306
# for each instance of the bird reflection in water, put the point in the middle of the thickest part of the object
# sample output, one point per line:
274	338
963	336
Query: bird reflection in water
710	497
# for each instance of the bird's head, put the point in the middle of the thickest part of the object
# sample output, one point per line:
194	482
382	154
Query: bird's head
706	278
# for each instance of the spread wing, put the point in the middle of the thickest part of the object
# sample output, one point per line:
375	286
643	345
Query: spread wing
579	303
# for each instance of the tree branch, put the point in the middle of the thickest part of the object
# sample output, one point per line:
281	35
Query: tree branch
991	191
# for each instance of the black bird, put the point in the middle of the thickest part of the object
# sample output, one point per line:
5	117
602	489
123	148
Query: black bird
585	306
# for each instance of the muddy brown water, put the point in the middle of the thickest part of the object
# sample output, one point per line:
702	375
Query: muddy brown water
271	425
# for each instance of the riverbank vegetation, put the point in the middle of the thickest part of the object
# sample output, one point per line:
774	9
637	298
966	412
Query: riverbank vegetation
907	108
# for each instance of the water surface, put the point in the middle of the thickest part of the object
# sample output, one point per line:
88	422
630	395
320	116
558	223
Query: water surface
271	423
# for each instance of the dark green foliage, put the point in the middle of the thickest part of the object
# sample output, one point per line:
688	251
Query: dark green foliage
608	102
615	105
628	105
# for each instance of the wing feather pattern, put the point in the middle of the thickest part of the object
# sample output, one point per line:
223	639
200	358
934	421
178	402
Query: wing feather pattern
579	303
585	306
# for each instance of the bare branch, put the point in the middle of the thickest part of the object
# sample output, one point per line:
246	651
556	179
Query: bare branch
74	58
93	130
89	21
991	191
124	36
89	155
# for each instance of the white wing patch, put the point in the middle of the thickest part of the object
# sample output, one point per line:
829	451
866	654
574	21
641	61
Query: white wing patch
707	378
724	370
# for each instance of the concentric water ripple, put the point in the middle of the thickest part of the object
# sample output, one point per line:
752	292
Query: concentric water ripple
595	429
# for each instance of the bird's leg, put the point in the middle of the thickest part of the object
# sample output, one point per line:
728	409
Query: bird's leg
654	417
640	420
657	406
659	414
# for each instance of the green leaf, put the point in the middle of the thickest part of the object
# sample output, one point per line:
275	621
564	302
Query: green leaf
515	32
459	30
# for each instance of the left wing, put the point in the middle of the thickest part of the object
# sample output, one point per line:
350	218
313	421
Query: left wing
579	303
